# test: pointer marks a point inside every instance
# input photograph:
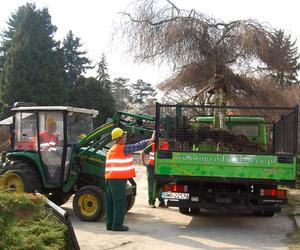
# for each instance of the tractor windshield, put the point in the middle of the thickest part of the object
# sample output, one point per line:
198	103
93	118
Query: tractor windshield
51	138
79	125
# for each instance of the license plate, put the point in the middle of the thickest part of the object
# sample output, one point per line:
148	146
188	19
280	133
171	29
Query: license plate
176	196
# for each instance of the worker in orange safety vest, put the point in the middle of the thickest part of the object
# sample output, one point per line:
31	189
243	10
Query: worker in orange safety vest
48	138
153	187
118	168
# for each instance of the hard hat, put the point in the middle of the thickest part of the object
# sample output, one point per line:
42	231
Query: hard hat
117	133
81	136
51	121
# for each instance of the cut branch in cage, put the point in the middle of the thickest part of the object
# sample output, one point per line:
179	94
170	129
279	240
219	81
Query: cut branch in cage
249	130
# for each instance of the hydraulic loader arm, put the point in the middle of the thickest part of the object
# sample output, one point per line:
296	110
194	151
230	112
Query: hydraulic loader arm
135	124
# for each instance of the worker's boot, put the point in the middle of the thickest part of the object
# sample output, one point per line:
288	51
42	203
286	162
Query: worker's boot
120	228
162	204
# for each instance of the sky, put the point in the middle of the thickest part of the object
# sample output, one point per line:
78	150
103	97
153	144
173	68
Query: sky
94	21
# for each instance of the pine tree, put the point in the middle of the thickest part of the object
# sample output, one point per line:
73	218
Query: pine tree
121	93
283	59
76	61
141	90
90	93
102	72
33	68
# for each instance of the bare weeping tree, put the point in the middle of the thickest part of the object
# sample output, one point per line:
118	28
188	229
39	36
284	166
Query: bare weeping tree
209	56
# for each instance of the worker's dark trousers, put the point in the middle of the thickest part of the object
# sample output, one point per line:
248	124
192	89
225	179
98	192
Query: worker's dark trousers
153	188
115	202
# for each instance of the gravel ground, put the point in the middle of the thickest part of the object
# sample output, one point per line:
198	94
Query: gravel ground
166	228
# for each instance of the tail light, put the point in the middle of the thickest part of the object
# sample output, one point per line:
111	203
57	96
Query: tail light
175	188
280	193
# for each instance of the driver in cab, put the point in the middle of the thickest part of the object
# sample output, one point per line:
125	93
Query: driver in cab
48	138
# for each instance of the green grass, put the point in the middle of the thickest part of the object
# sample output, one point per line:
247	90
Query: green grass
24	224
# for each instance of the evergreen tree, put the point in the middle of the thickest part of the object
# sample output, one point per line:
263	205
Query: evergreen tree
141	90
76	61
121	93
91	94
33	68
102	72
283	59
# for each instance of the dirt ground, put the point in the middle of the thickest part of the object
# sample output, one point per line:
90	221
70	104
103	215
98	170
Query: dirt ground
166	228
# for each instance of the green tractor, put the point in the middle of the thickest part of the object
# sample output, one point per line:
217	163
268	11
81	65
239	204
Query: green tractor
57	153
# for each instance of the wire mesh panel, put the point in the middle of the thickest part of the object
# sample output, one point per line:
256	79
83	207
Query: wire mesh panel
53	212
231	129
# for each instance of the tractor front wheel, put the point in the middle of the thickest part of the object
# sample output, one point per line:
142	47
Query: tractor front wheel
88	203
130	201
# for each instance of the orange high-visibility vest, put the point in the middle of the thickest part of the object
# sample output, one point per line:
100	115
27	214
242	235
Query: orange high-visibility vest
151	155
118	165
46	138
163	145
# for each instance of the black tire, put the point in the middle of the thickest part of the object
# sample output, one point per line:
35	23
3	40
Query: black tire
88	203
258	213
263	213
184	210
268	214
29	175
130	201
59	198
195	210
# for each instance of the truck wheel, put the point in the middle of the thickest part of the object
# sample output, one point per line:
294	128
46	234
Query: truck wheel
21	177
59	198
257	213
184	210
195	210
268	214
88	203
130	201
263	213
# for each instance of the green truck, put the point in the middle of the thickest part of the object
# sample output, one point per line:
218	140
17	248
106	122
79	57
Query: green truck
226	158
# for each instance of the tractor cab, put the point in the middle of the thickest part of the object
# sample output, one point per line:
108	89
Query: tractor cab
50	133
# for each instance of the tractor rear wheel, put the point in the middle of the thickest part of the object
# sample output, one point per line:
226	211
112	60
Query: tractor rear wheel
21	177
88	203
